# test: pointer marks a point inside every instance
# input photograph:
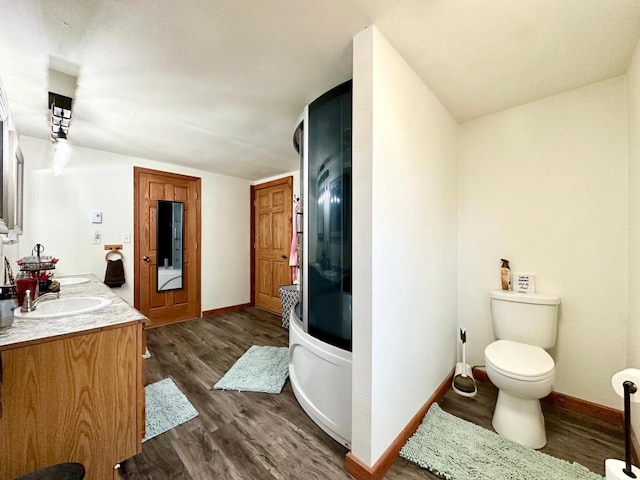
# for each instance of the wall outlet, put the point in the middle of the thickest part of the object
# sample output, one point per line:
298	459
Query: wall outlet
95	236
126	238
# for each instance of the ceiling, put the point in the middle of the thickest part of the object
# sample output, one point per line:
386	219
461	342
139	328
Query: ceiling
218	85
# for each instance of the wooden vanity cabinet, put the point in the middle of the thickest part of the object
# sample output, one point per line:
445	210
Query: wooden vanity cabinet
79	398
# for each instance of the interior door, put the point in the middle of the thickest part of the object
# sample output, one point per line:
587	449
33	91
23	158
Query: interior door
163	307
272	240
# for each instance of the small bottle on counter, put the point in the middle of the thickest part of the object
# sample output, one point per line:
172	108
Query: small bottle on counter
505	274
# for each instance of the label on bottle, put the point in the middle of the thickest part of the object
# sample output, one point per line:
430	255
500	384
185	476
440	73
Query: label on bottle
504	275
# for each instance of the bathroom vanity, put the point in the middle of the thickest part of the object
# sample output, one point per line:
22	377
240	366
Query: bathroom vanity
72	388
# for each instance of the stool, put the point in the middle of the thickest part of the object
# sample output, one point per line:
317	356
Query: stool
61	471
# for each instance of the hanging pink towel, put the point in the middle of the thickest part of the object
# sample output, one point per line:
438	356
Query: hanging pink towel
293	253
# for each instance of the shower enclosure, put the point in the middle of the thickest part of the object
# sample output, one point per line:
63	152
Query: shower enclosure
320	325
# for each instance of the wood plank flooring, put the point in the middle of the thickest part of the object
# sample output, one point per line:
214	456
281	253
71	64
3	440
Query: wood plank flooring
255	436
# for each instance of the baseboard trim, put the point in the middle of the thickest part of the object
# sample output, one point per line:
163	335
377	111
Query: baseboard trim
229	309
480	375
360	471
594	410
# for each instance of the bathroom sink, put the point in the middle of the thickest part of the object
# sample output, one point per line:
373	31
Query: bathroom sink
65	307
71	280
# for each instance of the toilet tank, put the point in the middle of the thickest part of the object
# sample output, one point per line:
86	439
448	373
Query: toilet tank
530	318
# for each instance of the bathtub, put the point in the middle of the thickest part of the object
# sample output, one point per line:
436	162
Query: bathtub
169	278
320	375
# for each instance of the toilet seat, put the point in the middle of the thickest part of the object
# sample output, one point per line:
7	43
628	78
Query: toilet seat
519	361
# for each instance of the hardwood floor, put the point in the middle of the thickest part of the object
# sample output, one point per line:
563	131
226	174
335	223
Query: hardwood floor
254	436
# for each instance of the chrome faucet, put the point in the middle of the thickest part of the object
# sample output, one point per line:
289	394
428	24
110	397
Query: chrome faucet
30	305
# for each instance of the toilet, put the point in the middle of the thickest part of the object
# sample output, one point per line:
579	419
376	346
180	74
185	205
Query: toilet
525	325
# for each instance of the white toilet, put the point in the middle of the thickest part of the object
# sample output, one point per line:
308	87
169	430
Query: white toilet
517	363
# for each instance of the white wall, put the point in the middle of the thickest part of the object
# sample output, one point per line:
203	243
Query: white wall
545	185
404	224
57	215
633	334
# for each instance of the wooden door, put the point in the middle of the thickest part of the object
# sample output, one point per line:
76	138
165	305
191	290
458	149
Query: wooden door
272	205
163	307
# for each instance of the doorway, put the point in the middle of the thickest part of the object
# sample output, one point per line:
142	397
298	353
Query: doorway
271	230
153	188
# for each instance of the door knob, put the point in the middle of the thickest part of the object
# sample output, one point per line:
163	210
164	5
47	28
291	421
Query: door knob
146	259
284	257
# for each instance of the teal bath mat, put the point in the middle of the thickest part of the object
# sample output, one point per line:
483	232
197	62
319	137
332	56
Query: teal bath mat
260	369
455	449
166	408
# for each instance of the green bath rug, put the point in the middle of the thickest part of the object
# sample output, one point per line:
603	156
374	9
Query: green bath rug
260	369
455	449
166	408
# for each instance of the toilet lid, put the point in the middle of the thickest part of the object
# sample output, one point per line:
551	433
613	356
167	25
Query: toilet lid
519	360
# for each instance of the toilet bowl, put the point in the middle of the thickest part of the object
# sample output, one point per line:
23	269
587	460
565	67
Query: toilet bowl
523	374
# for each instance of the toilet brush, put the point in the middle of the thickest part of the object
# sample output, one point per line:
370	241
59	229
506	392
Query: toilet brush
625	384
463	382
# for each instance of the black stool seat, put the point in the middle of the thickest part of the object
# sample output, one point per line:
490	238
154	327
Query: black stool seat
61	471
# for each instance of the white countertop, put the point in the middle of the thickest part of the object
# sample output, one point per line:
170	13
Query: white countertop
27	330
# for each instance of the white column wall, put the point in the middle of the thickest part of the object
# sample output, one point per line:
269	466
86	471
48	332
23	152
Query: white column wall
362	239
405	169
57	215
545	186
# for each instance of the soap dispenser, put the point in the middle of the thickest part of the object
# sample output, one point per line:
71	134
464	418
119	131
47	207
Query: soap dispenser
505	274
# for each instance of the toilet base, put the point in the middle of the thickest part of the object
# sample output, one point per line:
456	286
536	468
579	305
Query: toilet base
519	420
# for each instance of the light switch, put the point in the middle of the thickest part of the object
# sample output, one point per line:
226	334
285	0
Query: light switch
96	216
95	236
126	238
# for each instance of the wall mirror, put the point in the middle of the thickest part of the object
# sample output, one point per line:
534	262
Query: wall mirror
169	252
5	162
16	181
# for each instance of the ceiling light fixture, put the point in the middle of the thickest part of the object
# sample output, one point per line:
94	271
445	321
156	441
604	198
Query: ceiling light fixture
60	106
60	135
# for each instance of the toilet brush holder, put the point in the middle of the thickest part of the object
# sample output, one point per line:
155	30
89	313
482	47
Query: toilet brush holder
625	384
463	382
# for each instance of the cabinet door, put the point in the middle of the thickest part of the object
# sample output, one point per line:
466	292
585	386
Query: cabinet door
72	400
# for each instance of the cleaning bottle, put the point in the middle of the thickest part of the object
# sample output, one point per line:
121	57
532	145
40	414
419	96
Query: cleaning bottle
505	275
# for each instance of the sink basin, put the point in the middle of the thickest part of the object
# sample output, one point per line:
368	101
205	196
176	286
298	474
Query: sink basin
71	280
65	307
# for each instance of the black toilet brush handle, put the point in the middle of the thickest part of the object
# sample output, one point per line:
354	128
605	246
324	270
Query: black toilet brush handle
629	388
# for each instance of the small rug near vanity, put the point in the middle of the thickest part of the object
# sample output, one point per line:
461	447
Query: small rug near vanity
166	408
260	369
455	449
